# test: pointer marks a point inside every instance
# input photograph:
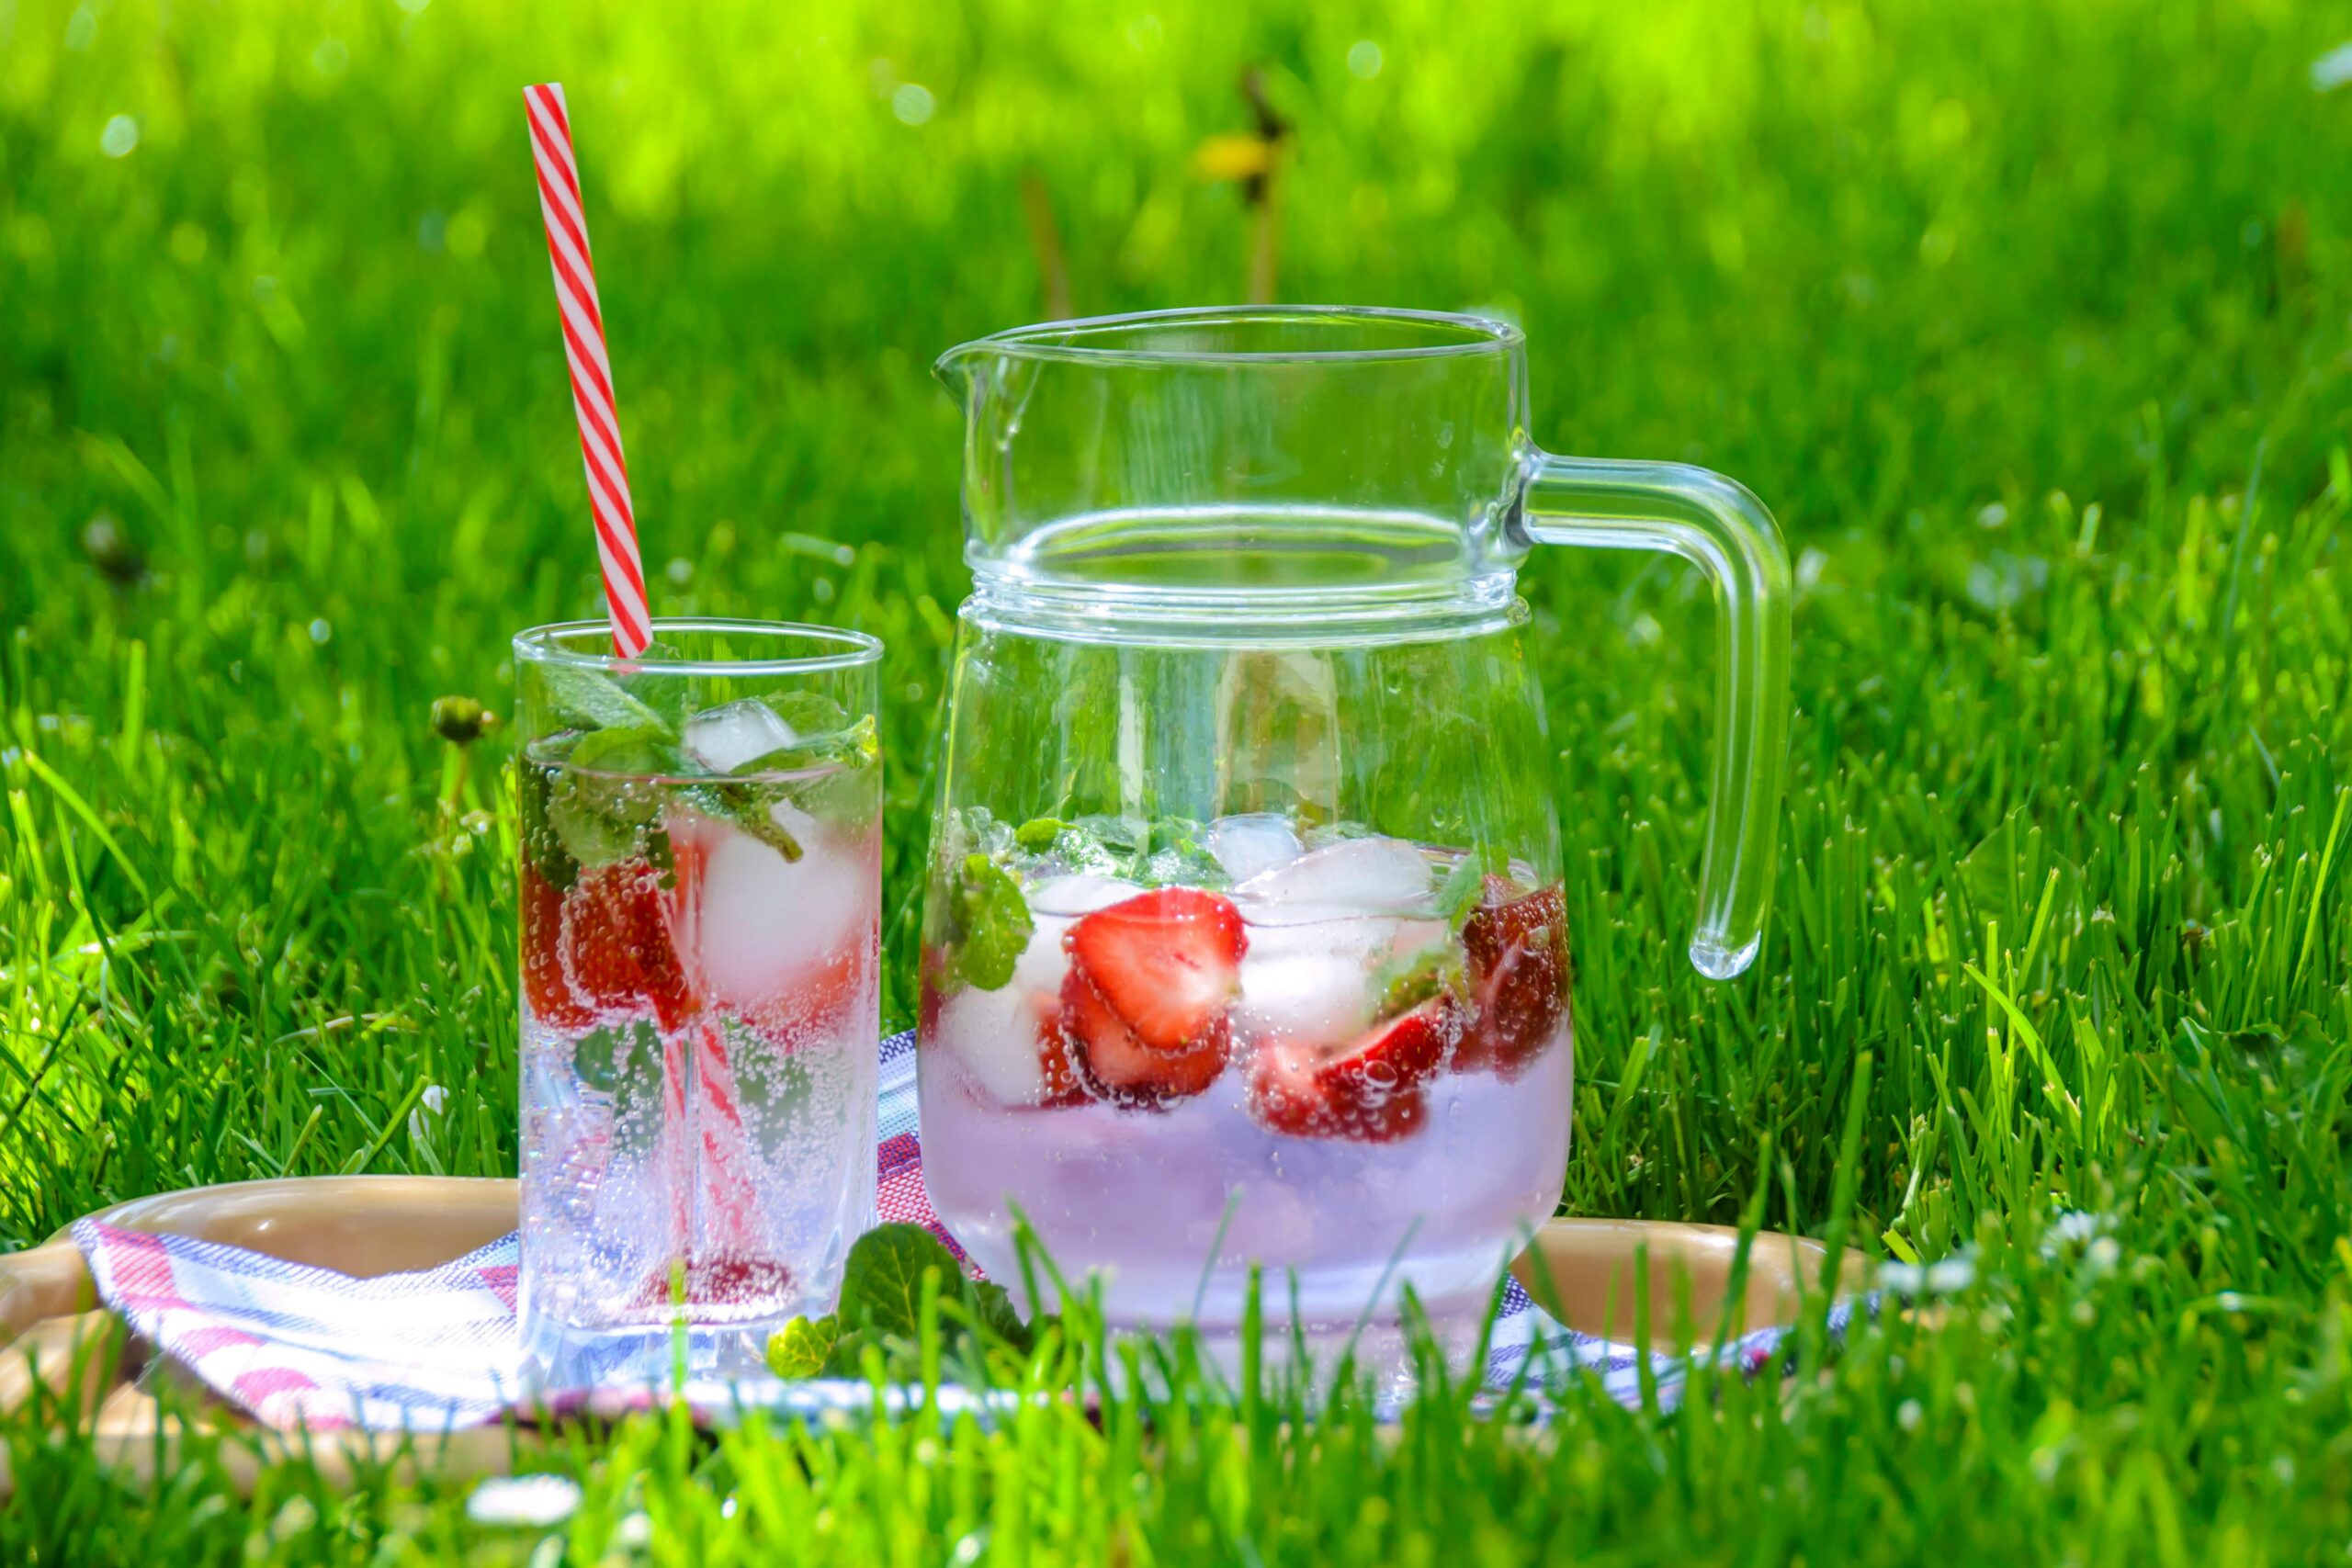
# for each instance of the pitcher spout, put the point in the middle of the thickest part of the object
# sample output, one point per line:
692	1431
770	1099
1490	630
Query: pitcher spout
958	368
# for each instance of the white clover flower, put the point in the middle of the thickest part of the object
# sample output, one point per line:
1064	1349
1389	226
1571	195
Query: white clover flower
2077	1224
1945	1277
2079	1230
428	1103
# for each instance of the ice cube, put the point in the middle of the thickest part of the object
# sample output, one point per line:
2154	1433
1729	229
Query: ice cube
1252	844
767	922
727	736
1350	877
1314	979
1080	894
994	1033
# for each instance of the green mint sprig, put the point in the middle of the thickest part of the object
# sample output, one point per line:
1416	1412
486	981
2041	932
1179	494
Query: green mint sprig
1463	890
1157	853
991	920
881	1308
585	802
586	700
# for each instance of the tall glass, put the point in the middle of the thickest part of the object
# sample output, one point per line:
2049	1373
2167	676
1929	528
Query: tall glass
700	896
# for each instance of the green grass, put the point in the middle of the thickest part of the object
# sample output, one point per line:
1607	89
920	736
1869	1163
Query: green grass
2030	320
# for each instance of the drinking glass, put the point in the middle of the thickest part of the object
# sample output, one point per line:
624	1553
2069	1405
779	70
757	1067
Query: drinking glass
700	900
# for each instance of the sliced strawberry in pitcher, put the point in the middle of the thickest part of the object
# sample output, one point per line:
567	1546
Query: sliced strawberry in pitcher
1112	1061
1517	948
552	1002
1165	964
1289	1094
1144	1006
1367	1090
616	946
1056	1061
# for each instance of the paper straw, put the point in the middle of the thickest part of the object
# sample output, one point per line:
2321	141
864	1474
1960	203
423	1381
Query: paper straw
725	1151
591	371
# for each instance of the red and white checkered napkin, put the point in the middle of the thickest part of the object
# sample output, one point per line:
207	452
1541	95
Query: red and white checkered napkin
300	1346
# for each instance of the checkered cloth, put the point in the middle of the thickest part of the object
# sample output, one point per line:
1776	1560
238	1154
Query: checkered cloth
294	1347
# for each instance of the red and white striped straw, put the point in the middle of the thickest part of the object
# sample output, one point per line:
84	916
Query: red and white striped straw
592	372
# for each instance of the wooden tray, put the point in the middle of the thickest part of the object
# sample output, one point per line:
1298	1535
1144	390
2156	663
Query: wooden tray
1582	1270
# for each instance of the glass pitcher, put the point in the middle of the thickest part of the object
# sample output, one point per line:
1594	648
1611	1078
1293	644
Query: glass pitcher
1245	944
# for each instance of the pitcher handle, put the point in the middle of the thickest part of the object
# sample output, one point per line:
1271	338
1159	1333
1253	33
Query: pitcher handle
1717	525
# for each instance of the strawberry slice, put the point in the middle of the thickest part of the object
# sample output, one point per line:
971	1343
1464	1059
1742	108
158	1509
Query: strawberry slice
1368	1090
1166	965
1518	947
1113	1061
544	985
616	946
1058	1059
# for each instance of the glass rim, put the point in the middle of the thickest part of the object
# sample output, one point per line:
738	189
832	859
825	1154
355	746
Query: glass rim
1453	335
546	645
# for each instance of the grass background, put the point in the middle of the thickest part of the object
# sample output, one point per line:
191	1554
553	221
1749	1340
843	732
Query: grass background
2033	323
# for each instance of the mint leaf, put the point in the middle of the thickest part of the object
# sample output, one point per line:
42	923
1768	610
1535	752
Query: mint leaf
645	750
1173	853
1463	887
603	1057
1315	837
801	1347
591	701
829	776
808	713
601	804
593	1061
992	919
1121	835
882	1282
1038	836
1407	981
882	1307
534	785
665	694
1158	853
848	795
989	1307
597	818
746	807
1074	847
855	746
974	830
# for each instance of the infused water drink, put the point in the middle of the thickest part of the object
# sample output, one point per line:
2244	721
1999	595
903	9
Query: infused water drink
700	918
1344	1059
1244	926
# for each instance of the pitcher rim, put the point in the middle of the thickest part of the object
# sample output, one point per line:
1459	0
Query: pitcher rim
1476	334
